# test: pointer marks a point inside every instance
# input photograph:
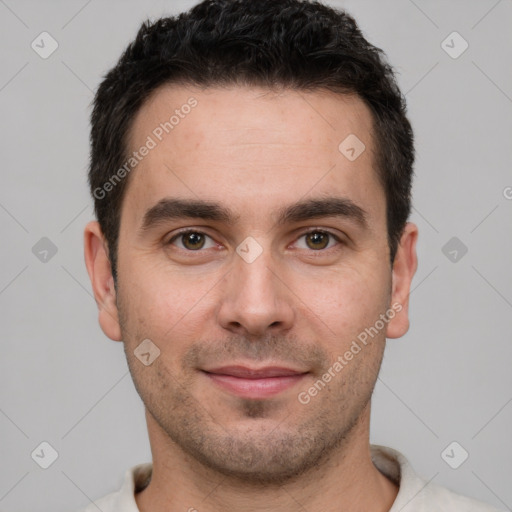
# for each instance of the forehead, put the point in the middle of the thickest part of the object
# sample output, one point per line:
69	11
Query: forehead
239	144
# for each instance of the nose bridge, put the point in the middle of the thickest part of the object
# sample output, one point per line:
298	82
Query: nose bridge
254	279
254	297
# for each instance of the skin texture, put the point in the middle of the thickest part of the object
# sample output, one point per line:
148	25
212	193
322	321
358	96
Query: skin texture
297	305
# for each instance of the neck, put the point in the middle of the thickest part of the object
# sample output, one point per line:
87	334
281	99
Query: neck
348	480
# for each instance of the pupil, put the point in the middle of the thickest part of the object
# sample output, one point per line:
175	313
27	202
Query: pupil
193	239
318	237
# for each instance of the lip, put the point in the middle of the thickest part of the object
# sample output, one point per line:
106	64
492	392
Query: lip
245	372
254	383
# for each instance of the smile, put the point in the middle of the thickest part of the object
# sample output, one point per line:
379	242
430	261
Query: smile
251	383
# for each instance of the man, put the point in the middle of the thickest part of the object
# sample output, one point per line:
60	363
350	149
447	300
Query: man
251	168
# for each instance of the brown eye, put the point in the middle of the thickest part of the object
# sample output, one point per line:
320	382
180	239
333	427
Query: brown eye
317	240
193	240
190	240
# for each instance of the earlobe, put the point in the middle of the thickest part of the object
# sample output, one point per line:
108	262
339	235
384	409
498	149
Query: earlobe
404	268
100	273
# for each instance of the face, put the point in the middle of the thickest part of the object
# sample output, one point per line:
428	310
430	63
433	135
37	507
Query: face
253	254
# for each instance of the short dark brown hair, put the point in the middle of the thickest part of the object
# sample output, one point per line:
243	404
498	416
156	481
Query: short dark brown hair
296	44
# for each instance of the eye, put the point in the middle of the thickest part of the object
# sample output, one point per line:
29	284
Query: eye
318	240
191	240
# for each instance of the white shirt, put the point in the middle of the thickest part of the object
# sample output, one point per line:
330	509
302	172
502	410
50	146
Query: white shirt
414	495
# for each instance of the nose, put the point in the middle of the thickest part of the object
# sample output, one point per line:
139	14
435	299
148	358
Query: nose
256	298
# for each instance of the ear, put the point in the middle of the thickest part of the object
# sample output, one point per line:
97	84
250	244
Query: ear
100	273
404	268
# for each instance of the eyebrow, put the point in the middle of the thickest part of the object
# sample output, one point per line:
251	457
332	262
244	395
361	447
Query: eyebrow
173	208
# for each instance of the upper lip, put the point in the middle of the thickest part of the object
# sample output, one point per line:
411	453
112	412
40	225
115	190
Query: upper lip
250	373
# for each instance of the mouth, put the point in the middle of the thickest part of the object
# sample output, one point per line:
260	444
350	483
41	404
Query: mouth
254	383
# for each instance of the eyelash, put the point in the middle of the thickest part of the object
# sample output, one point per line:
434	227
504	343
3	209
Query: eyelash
187	231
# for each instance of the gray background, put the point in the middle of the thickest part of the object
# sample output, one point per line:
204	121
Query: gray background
448	379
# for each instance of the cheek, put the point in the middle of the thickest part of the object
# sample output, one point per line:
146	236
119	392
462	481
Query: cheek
346	313
349	298
168	310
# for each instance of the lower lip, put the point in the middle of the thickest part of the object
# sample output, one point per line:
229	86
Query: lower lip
255	388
